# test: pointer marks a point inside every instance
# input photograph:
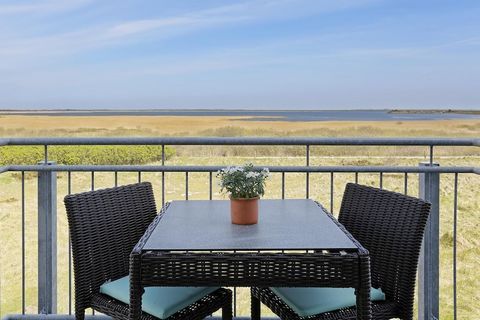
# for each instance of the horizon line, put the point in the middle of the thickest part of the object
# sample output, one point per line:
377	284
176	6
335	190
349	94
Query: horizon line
227	109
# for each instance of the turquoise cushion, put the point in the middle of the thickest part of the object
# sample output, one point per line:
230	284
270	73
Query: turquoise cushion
160	302
310	301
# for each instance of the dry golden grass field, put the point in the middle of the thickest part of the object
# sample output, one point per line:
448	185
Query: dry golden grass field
469	186
193	126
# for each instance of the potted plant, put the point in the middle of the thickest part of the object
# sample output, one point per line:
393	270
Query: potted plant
245	185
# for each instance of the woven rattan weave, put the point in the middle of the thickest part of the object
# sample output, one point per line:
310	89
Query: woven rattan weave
104	227
391	226
335	268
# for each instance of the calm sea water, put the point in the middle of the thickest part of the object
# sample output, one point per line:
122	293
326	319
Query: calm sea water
268	115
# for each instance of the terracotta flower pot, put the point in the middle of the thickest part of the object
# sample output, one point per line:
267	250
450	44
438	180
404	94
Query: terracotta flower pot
244	211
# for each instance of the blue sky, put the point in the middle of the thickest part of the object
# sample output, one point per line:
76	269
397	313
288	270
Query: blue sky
253	54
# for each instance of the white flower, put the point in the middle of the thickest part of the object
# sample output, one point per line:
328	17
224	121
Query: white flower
252	174
234	169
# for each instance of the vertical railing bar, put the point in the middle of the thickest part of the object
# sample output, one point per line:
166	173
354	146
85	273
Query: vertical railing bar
429	271
405	184
307	182
69	182
210	187
234	297
93	188
116	178
45	154
455	218
163	154
283	185
331	192
356	177
381	180
186	185
69	191
163	176
431	154
234	302
139	176
23	242
163	188
47	241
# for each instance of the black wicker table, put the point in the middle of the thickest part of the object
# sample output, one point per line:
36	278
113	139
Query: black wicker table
296	243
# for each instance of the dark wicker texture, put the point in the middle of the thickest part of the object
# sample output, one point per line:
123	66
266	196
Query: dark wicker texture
220	268
104	227
390	226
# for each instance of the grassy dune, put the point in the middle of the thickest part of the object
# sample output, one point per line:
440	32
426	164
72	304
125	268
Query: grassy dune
469	206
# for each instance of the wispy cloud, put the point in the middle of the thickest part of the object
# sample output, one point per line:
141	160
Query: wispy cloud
40	6
125	32
474	41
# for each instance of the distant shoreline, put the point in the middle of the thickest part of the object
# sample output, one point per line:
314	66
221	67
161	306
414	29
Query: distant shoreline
161	110
434	111
398	115
400	111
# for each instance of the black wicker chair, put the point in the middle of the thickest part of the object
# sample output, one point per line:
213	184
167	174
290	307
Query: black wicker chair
390	226
104	227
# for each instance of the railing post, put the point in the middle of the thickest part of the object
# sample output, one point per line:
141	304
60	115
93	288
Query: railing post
428	276
47	241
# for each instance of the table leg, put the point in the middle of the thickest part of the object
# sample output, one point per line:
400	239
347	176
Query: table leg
136	290
364	306
227	312
254	307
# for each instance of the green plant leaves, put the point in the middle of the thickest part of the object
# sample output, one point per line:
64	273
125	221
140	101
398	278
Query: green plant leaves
243	182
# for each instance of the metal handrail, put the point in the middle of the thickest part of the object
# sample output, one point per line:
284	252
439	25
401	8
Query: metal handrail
242	141
292	169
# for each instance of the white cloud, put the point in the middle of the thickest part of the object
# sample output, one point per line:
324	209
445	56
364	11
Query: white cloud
133	27
16	47
41	6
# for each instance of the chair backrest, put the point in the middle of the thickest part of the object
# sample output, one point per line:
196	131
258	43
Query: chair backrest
390	226
104	227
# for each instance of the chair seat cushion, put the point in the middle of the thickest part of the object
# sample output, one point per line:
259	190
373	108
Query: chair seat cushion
160	302
311	301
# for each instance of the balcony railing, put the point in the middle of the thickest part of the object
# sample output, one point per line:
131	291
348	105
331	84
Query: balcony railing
427	180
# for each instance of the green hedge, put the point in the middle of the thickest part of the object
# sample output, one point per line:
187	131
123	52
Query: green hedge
94	155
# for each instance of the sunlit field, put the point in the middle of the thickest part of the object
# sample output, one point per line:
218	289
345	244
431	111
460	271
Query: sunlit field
224	126
468	201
